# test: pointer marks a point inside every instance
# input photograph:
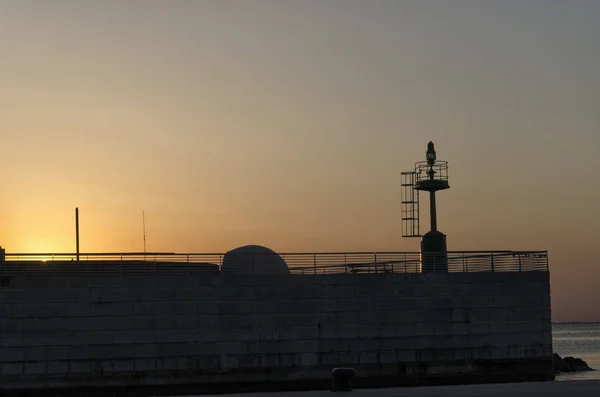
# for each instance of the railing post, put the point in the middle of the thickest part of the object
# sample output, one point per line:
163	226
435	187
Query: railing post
315	262
519	262
375	261
492	261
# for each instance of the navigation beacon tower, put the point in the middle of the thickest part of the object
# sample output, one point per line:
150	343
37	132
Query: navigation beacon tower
429	176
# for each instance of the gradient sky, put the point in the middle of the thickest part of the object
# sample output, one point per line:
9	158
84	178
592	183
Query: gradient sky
288	123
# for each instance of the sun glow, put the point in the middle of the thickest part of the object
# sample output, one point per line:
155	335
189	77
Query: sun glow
45	247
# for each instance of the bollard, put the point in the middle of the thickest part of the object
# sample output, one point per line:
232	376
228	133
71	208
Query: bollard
341	379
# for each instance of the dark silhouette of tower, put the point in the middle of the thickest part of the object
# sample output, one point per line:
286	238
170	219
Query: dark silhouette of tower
429	176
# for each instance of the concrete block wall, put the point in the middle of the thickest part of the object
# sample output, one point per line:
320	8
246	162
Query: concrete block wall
123	330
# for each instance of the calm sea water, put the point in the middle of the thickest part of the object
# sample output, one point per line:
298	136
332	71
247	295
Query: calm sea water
578	340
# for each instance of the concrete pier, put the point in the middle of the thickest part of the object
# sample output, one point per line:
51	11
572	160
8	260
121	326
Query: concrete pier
541	389
272	332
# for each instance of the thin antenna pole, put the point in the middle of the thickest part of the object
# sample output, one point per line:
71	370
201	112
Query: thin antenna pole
77	232
144	227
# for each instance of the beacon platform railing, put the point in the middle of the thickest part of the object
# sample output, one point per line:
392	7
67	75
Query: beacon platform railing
299	263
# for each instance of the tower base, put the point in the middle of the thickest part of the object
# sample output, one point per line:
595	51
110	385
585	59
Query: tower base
434	253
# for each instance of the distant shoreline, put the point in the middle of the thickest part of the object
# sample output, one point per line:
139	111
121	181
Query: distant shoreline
574	322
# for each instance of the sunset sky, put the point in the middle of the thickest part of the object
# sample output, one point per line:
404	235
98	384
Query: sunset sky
287	124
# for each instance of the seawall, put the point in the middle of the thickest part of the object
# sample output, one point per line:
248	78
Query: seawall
281	331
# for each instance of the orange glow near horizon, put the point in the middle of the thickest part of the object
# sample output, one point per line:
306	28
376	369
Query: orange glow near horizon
288	125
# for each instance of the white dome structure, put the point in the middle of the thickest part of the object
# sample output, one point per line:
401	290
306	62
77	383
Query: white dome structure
253	260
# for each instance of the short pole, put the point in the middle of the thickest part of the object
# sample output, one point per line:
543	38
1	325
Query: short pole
77	232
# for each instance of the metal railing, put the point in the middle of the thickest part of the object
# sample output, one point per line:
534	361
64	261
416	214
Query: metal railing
298	263
422	168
